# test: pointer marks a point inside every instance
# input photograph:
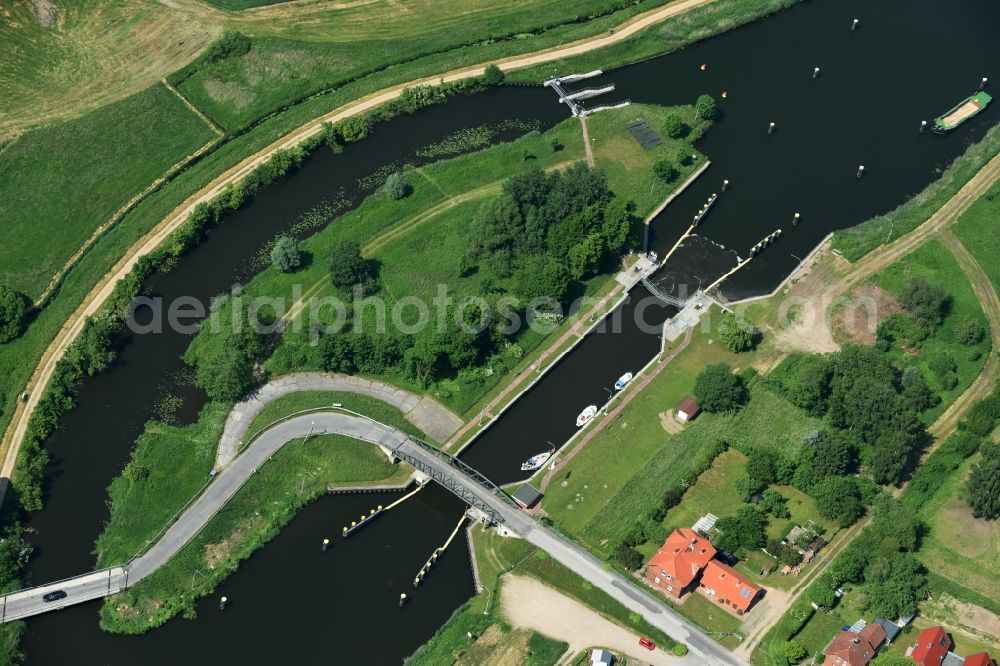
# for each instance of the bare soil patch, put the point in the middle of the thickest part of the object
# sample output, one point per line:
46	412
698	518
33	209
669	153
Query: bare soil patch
217	553
669	423
855	318
974	621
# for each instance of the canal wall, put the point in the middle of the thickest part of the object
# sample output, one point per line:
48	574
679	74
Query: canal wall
666	202
796	274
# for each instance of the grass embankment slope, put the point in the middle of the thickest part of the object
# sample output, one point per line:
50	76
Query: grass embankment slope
420	240
171	464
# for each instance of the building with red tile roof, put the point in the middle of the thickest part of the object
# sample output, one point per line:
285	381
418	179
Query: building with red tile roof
855	649
979	659
931	647
725	585
676	565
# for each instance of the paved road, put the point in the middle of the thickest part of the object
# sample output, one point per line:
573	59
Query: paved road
428	414
229	481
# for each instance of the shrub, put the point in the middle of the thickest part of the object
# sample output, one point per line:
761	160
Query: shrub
628	557
983	486
285	254
493	75
679	650
969	330
706	107
717	389
12	313
396	186
665	171
230	44
673	126
736	333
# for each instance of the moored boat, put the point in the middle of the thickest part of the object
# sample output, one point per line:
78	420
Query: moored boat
534	462
623	381
586	415
961	112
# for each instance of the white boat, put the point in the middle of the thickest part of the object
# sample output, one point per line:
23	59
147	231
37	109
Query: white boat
585	416
623	380
534	462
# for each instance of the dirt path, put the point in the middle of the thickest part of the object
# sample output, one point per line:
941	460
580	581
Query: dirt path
767	614
988	300
102	290
588	151
530	604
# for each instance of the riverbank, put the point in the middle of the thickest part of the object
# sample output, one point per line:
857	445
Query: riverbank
292	478
171	204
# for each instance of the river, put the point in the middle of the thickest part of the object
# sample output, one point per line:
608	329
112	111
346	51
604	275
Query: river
907	62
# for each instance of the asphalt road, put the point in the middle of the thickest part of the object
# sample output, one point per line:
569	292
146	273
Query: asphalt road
703	650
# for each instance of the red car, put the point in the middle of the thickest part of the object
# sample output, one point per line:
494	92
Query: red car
646	643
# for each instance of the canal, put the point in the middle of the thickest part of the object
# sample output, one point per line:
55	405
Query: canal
903	65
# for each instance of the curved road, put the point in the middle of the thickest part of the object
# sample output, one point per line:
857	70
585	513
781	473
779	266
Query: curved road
703	650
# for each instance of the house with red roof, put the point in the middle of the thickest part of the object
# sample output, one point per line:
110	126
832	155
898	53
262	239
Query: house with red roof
931	647
727	586
979	659
855	649
676	565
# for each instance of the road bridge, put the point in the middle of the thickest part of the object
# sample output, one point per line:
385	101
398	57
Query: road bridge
455	475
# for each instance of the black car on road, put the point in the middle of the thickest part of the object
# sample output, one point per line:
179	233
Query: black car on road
53	596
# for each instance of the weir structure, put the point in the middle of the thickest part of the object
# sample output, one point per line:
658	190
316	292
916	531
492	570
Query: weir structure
570	99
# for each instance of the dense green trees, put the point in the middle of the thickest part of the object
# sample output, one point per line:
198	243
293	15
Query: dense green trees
717	389
741	532
224	362
12	313
837	498
348	268
926	301
285	255
983	485
894	584
545	231
774	503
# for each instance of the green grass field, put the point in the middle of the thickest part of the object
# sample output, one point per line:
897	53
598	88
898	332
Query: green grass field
62	182
956	545
979	231
935	262
768	421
